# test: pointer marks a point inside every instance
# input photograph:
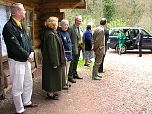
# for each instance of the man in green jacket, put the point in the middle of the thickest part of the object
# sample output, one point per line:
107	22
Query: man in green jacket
75	33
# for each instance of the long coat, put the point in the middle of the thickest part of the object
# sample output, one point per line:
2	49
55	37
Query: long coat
121	38
52	55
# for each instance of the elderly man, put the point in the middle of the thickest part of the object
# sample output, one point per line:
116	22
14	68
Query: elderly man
75	32
20	56
98	45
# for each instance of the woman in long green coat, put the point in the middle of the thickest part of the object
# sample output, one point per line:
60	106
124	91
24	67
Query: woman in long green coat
121	38
53	59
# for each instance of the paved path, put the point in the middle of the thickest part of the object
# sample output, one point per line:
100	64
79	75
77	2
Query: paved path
125	88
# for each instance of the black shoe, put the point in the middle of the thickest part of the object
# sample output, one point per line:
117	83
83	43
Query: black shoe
86	64
71	80
77	77
69	85
101	71
54	97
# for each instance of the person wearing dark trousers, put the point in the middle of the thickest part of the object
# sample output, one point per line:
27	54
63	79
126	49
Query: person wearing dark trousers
75	33
100	70
139	42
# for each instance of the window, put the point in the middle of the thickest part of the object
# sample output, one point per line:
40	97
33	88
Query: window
5	15
145	33
28	22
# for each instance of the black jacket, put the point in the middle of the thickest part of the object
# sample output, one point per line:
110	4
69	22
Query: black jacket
17	41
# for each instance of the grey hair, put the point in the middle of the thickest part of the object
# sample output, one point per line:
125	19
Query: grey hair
78	17
15	7
64	21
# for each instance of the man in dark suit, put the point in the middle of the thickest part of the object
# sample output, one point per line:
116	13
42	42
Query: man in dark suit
76	38
139	40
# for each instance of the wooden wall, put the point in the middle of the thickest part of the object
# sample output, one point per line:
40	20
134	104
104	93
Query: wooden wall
41	10
38	18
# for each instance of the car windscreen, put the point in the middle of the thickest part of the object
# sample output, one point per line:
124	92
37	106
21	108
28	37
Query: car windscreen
113	32
145	33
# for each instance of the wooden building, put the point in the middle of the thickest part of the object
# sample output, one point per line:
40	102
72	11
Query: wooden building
37	12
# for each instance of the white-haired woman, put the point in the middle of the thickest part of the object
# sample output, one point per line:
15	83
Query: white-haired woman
53	59
64	35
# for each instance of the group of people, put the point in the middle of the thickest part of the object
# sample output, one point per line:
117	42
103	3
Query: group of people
61	47
122	39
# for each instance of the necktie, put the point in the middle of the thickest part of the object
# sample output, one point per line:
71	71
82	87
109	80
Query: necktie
79	35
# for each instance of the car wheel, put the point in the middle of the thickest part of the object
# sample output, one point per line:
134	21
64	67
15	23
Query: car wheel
124	48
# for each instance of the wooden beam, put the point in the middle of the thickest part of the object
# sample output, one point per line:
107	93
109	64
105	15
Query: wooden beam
64	4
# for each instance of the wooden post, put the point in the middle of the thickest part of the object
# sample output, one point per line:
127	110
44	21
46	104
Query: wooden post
1	72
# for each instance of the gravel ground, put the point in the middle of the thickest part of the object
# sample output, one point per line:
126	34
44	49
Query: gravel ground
125	88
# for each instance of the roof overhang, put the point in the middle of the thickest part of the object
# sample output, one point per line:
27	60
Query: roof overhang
63	4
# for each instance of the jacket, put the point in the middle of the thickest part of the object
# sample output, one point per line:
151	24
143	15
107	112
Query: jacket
75	39
87	37
67	44
98	41
17	41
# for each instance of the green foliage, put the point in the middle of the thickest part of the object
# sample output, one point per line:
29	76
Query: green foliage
117	23
81	64
117	12
92	14
108	9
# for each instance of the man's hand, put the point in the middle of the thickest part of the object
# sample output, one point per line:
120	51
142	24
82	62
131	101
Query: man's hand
31	57
55	67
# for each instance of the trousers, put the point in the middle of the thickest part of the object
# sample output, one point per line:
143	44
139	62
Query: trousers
74	64
22	83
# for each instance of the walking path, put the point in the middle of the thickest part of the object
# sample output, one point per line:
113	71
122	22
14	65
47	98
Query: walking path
125	88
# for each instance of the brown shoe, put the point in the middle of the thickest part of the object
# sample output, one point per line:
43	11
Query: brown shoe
31	106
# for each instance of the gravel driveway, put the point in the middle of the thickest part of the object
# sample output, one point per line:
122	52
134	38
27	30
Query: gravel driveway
125	88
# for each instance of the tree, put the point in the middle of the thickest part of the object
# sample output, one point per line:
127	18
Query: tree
108	9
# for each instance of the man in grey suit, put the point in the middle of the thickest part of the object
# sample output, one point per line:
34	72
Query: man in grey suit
77	44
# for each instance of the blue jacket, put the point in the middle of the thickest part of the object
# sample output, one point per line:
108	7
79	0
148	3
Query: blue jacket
87	37
67	44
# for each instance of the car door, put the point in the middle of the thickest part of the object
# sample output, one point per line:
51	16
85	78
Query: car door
113	40
147	40
128	40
